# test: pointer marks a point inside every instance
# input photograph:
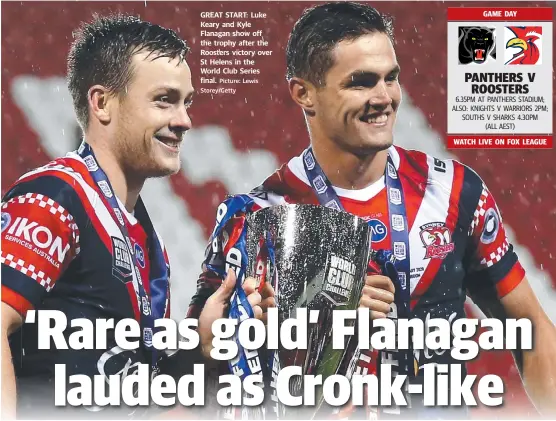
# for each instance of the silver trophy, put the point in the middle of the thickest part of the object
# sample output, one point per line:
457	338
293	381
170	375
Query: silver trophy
314	257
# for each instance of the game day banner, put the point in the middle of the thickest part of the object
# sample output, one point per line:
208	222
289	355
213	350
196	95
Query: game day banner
500	77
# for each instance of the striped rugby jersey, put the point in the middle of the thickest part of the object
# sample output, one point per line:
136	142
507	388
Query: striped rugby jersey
457	241
62	250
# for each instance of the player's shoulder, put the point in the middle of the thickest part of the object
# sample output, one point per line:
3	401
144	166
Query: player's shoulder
263	196
271	192
434	168
288	184
60	184
445	178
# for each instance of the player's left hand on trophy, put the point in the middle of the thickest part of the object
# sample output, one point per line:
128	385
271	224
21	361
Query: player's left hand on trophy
217	307
377	295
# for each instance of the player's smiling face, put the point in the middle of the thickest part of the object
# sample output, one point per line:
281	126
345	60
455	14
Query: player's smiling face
357	107
152	115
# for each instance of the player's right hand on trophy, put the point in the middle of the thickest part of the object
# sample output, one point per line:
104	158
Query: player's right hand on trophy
377	295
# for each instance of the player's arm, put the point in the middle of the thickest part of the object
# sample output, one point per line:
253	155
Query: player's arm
11	321
210	302
537	366
214	290
39	240
497	283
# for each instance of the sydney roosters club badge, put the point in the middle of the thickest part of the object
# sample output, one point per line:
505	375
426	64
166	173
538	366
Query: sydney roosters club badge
437	240
523	45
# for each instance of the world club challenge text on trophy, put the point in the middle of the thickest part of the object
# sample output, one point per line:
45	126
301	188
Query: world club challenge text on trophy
315	257
500	77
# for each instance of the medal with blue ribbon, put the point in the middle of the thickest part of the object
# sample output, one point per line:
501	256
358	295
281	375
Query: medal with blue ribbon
394	263
153	307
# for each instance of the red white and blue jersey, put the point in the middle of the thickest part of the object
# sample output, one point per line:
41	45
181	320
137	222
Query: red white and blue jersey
62	250
457	241
456	234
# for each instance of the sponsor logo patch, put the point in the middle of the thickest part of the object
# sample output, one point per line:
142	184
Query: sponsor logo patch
491	226
140	255
37	238
378	230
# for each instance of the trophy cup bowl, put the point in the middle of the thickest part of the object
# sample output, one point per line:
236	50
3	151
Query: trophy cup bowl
314	257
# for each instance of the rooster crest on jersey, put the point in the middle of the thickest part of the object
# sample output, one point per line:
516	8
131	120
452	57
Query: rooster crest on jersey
437	240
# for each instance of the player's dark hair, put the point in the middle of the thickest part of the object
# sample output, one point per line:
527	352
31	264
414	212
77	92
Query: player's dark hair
320	28
102	51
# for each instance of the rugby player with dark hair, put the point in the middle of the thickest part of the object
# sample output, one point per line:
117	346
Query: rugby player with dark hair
437	217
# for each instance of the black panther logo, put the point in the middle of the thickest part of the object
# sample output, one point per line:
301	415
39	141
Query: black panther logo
476	43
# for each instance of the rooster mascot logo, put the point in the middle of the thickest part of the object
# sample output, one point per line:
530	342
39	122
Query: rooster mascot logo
523	44
437	240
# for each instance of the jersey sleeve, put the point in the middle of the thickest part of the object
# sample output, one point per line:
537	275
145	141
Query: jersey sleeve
492	259
39	240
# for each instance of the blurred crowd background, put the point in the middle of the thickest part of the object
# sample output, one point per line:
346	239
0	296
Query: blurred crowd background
239	139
